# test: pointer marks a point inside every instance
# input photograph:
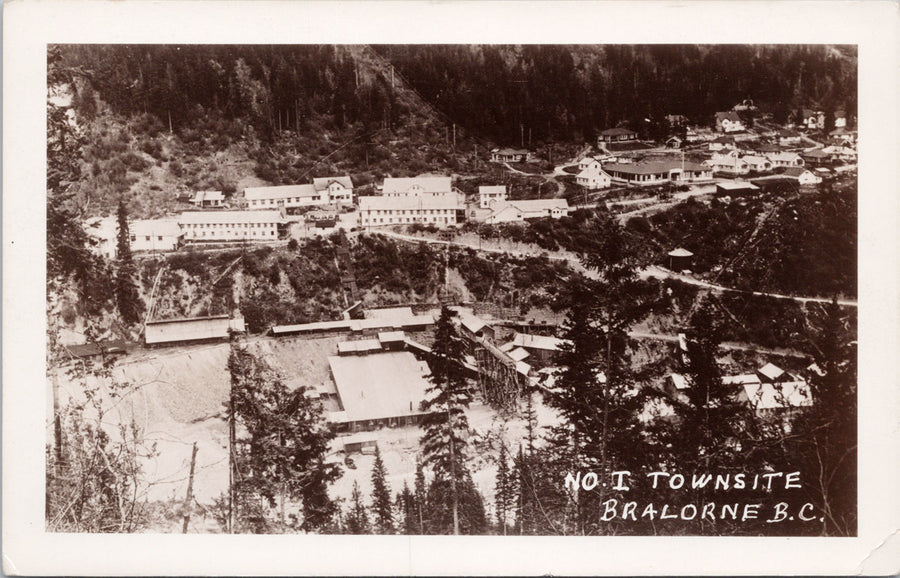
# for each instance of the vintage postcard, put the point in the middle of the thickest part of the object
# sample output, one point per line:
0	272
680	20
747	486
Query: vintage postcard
494	288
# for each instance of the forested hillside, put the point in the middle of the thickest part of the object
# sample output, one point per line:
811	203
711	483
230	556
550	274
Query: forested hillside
557	92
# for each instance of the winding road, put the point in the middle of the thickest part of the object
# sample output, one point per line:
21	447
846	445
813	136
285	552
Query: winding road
527	250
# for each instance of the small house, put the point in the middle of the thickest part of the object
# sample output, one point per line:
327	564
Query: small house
208	199
802	175
619	134
729	121
509	155
593	177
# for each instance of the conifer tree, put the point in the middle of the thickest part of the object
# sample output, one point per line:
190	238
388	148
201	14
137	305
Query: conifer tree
381	497
406	505
504	489
446	425
595	393
128	299
823	441
280	440
713	431
357	519
420	496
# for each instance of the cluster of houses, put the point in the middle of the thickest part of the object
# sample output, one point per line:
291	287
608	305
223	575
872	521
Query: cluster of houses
770	391
434	201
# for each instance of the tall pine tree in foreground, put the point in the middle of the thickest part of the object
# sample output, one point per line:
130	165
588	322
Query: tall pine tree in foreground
280	440
504	489
381	497
596	393
823	441
357	520
454	505
128	299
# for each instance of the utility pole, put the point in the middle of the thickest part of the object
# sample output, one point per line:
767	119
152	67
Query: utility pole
454	137
522	134
190	491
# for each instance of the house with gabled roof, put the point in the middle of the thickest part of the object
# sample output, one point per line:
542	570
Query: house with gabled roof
593	177
335	189
522	210
414	186
784	159
729	121
802	175
208	199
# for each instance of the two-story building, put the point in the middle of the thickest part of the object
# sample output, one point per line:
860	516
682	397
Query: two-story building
593	177
489	194
219	226
435	209
335	189
415	186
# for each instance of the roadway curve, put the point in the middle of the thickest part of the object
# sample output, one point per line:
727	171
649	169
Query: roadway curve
574	262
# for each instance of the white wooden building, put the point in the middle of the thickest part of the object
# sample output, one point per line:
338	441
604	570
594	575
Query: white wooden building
435	209
488	194
414	186
231	225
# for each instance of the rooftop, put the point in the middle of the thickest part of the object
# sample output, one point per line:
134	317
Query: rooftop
735	186
228	217
164	227
769	396
381	385
617	132
537	342
420	202
321	183
428	184
280	192
191	329
655	167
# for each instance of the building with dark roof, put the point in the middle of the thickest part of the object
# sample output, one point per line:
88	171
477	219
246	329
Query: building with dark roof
616	135
658	172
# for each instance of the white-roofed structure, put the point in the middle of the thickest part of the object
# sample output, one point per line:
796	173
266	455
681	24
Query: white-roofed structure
231	225
440	210
414	186
287	196
155	235
335	189
488	194
516	211
208	199
379	389
191	330
540	347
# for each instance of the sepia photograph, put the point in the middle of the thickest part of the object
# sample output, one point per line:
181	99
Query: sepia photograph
446	288
452	289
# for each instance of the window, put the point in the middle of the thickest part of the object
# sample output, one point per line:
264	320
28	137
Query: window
146	237
133	238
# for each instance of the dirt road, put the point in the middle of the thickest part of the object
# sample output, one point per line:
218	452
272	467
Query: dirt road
527	250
